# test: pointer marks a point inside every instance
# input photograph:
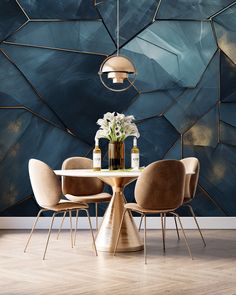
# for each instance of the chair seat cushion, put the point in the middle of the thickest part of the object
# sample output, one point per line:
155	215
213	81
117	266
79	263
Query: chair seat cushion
137	208
102	197
67	205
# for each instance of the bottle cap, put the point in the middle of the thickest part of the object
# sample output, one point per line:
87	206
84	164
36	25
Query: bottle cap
96	142
135	141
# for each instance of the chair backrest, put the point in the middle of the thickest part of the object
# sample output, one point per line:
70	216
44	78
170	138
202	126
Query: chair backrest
191	164
80	186
161	185
45	184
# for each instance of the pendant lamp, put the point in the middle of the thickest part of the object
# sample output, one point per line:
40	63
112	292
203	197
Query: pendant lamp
117	68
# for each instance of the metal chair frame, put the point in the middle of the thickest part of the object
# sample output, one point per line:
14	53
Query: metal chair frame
163	225
51	225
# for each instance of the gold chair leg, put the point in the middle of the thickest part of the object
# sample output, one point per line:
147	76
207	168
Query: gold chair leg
163	225
62	222
144	240
91	229
118	236
96	214
33	227
176	226
185	239
49	233
71	235
140	224
194	216
76	225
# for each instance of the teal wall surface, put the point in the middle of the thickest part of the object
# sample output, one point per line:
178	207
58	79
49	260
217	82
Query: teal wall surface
184	97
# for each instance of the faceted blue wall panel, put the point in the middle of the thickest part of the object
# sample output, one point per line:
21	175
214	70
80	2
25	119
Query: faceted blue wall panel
225	28
194	103
228	80
191	9
24	136
172	52
160	74
150	104
227	113
184	98
60	9
227	134
22	94
153	143
218	168
134	16
205	131
88	36
11	18
175	152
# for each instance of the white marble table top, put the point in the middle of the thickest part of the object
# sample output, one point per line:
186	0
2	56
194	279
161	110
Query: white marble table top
102	173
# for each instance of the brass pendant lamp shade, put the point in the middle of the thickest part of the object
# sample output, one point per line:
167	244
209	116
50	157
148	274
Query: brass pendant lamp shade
118	68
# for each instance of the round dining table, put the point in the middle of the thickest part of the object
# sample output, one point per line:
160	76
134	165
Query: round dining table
107	235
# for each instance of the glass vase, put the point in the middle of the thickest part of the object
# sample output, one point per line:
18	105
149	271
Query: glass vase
116	155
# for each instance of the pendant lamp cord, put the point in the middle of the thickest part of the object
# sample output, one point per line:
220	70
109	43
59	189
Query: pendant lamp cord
118	27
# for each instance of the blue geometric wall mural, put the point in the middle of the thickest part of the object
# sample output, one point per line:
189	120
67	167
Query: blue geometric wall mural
184	98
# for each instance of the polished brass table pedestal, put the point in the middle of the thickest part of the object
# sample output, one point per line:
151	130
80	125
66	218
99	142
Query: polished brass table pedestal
129	238
107	235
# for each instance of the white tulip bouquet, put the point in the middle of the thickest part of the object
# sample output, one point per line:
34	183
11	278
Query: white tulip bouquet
116	127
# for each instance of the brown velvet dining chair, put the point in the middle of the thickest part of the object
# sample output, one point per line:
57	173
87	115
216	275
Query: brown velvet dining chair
159	190
83	189
48	194
191	181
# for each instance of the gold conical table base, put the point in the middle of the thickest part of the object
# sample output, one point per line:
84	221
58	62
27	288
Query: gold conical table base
107	236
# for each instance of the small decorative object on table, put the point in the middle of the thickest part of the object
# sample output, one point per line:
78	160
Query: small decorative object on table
116	127
97	156
135	155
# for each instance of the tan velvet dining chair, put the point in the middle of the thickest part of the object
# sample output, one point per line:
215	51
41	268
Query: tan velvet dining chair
191	181
83	189
159	190
48	194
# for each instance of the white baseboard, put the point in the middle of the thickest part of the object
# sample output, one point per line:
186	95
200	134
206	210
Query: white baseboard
152	222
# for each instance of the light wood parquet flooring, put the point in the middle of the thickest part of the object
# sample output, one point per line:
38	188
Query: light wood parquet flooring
76	271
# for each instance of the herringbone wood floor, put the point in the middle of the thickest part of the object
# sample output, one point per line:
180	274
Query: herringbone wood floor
76	271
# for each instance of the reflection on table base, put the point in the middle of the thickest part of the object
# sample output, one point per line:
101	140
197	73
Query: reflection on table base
129	238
